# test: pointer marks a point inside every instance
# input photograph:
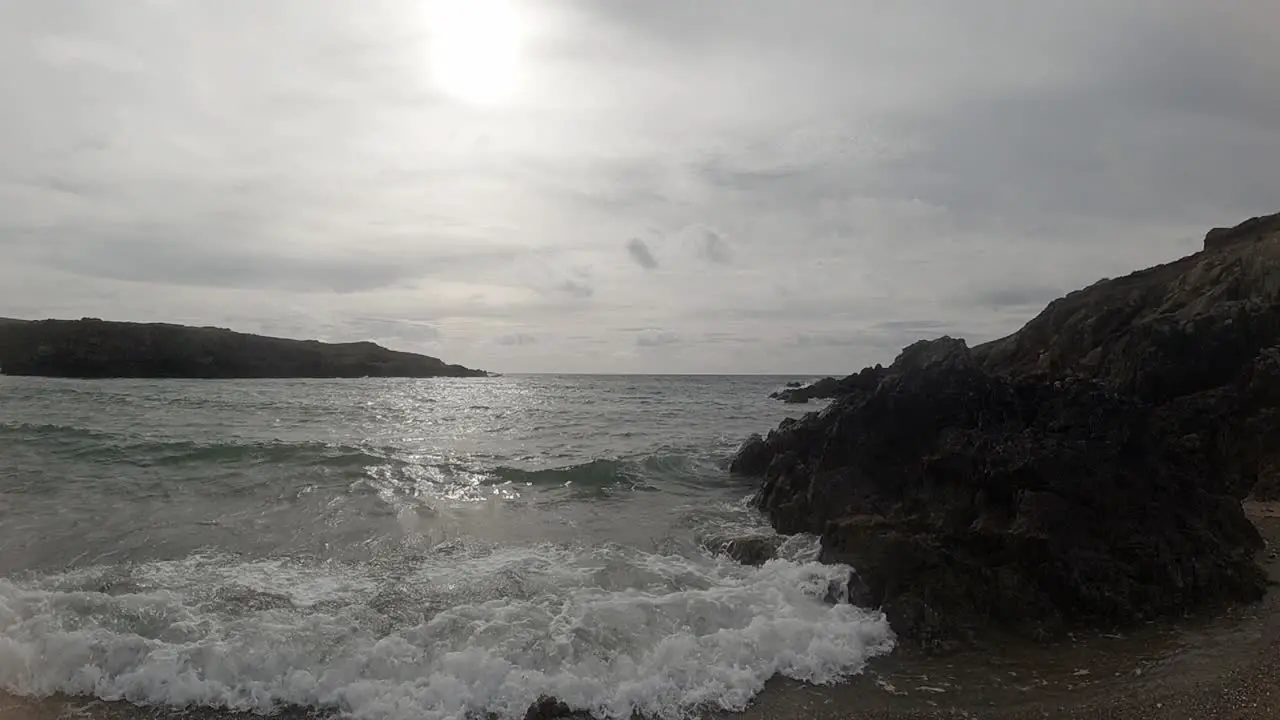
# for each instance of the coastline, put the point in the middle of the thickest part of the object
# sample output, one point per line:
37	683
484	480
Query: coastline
1225	666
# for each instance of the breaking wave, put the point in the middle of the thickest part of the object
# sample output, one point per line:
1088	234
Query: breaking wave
459	630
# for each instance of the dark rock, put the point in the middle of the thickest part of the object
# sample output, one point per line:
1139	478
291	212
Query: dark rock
753	549
827	388
752	458
549	708
1267	489
1251	229
1160	333
798	394
1087	470
92	348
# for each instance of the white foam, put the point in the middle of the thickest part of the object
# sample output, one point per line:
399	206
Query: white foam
460	630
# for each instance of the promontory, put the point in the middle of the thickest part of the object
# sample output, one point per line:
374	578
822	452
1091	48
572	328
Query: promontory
92	348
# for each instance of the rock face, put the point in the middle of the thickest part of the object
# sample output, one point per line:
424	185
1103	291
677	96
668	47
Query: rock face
91	348
823	389
753	549
1087	470
799	393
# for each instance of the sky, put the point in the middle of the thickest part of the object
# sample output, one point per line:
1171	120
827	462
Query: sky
745	186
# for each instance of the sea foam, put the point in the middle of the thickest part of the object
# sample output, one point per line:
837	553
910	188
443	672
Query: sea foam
459	630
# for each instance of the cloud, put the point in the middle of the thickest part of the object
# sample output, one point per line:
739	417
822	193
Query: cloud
577	288
518	340
398	332
714	248
641	254
981	159
1018	297
657	338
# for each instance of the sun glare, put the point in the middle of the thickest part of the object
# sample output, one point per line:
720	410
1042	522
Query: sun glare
475	49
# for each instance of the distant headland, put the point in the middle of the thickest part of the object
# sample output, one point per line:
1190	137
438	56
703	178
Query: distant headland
93	348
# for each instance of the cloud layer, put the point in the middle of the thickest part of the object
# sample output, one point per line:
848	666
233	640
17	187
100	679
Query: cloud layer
761	186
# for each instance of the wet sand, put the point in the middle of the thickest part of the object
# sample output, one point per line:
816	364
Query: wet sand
1225	667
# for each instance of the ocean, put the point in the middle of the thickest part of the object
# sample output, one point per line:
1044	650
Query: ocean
395	549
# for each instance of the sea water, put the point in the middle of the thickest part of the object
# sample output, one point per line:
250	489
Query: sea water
395	549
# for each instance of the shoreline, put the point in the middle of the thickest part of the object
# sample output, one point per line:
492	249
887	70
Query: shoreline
1224	666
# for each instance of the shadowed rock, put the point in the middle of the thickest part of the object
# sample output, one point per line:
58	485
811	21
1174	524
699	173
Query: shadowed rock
549	708
828	388
799	393
91	348
753	549
752	458
1087	470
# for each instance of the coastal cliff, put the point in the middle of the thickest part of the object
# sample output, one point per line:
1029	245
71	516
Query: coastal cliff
1087	470
91	348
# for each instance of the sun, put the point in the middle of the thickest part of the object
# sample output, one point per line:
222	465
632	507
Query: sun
475	49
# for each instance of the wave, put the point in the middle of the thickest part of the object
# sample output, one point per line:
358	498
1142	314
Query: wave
640	473
595	474
90	444
390	472
95	445
464	630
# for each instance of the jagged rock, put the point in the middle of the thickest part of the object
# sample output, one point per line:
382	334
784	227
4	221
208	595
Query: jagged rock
798	393
1251	229
752	458
1163	332
753	549
827	388
1087	470
549	708
92	348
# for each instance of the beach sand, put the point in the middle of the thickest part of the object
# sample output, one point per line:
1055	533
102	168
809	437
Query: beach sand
1225	667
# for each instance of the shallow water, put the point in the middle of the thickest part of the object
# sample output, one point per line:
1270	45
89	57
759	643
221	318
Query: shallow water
401	548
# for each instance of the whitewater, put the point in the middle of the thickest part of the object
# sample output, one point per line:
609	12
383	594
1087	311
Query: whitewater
387	549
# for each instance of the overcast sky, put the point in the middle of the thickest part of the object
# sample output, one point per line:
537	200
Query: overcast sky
794	186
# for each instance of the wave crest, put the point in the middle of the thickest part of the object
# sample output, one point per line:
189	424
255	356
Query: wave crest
472	630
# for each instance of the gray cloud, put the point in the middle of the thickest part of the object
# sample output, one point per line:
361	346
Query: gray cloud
518	340
402	332
909	326
714	248
641	254
1018	297
577	288
657	338
861	175
838	341
727	338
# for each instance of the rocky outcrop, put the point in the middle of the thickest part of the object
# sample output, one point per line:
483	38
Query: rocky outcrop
92	348
799	393
549	708
1164	332
825	389
753	549
1249	230
1087	470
